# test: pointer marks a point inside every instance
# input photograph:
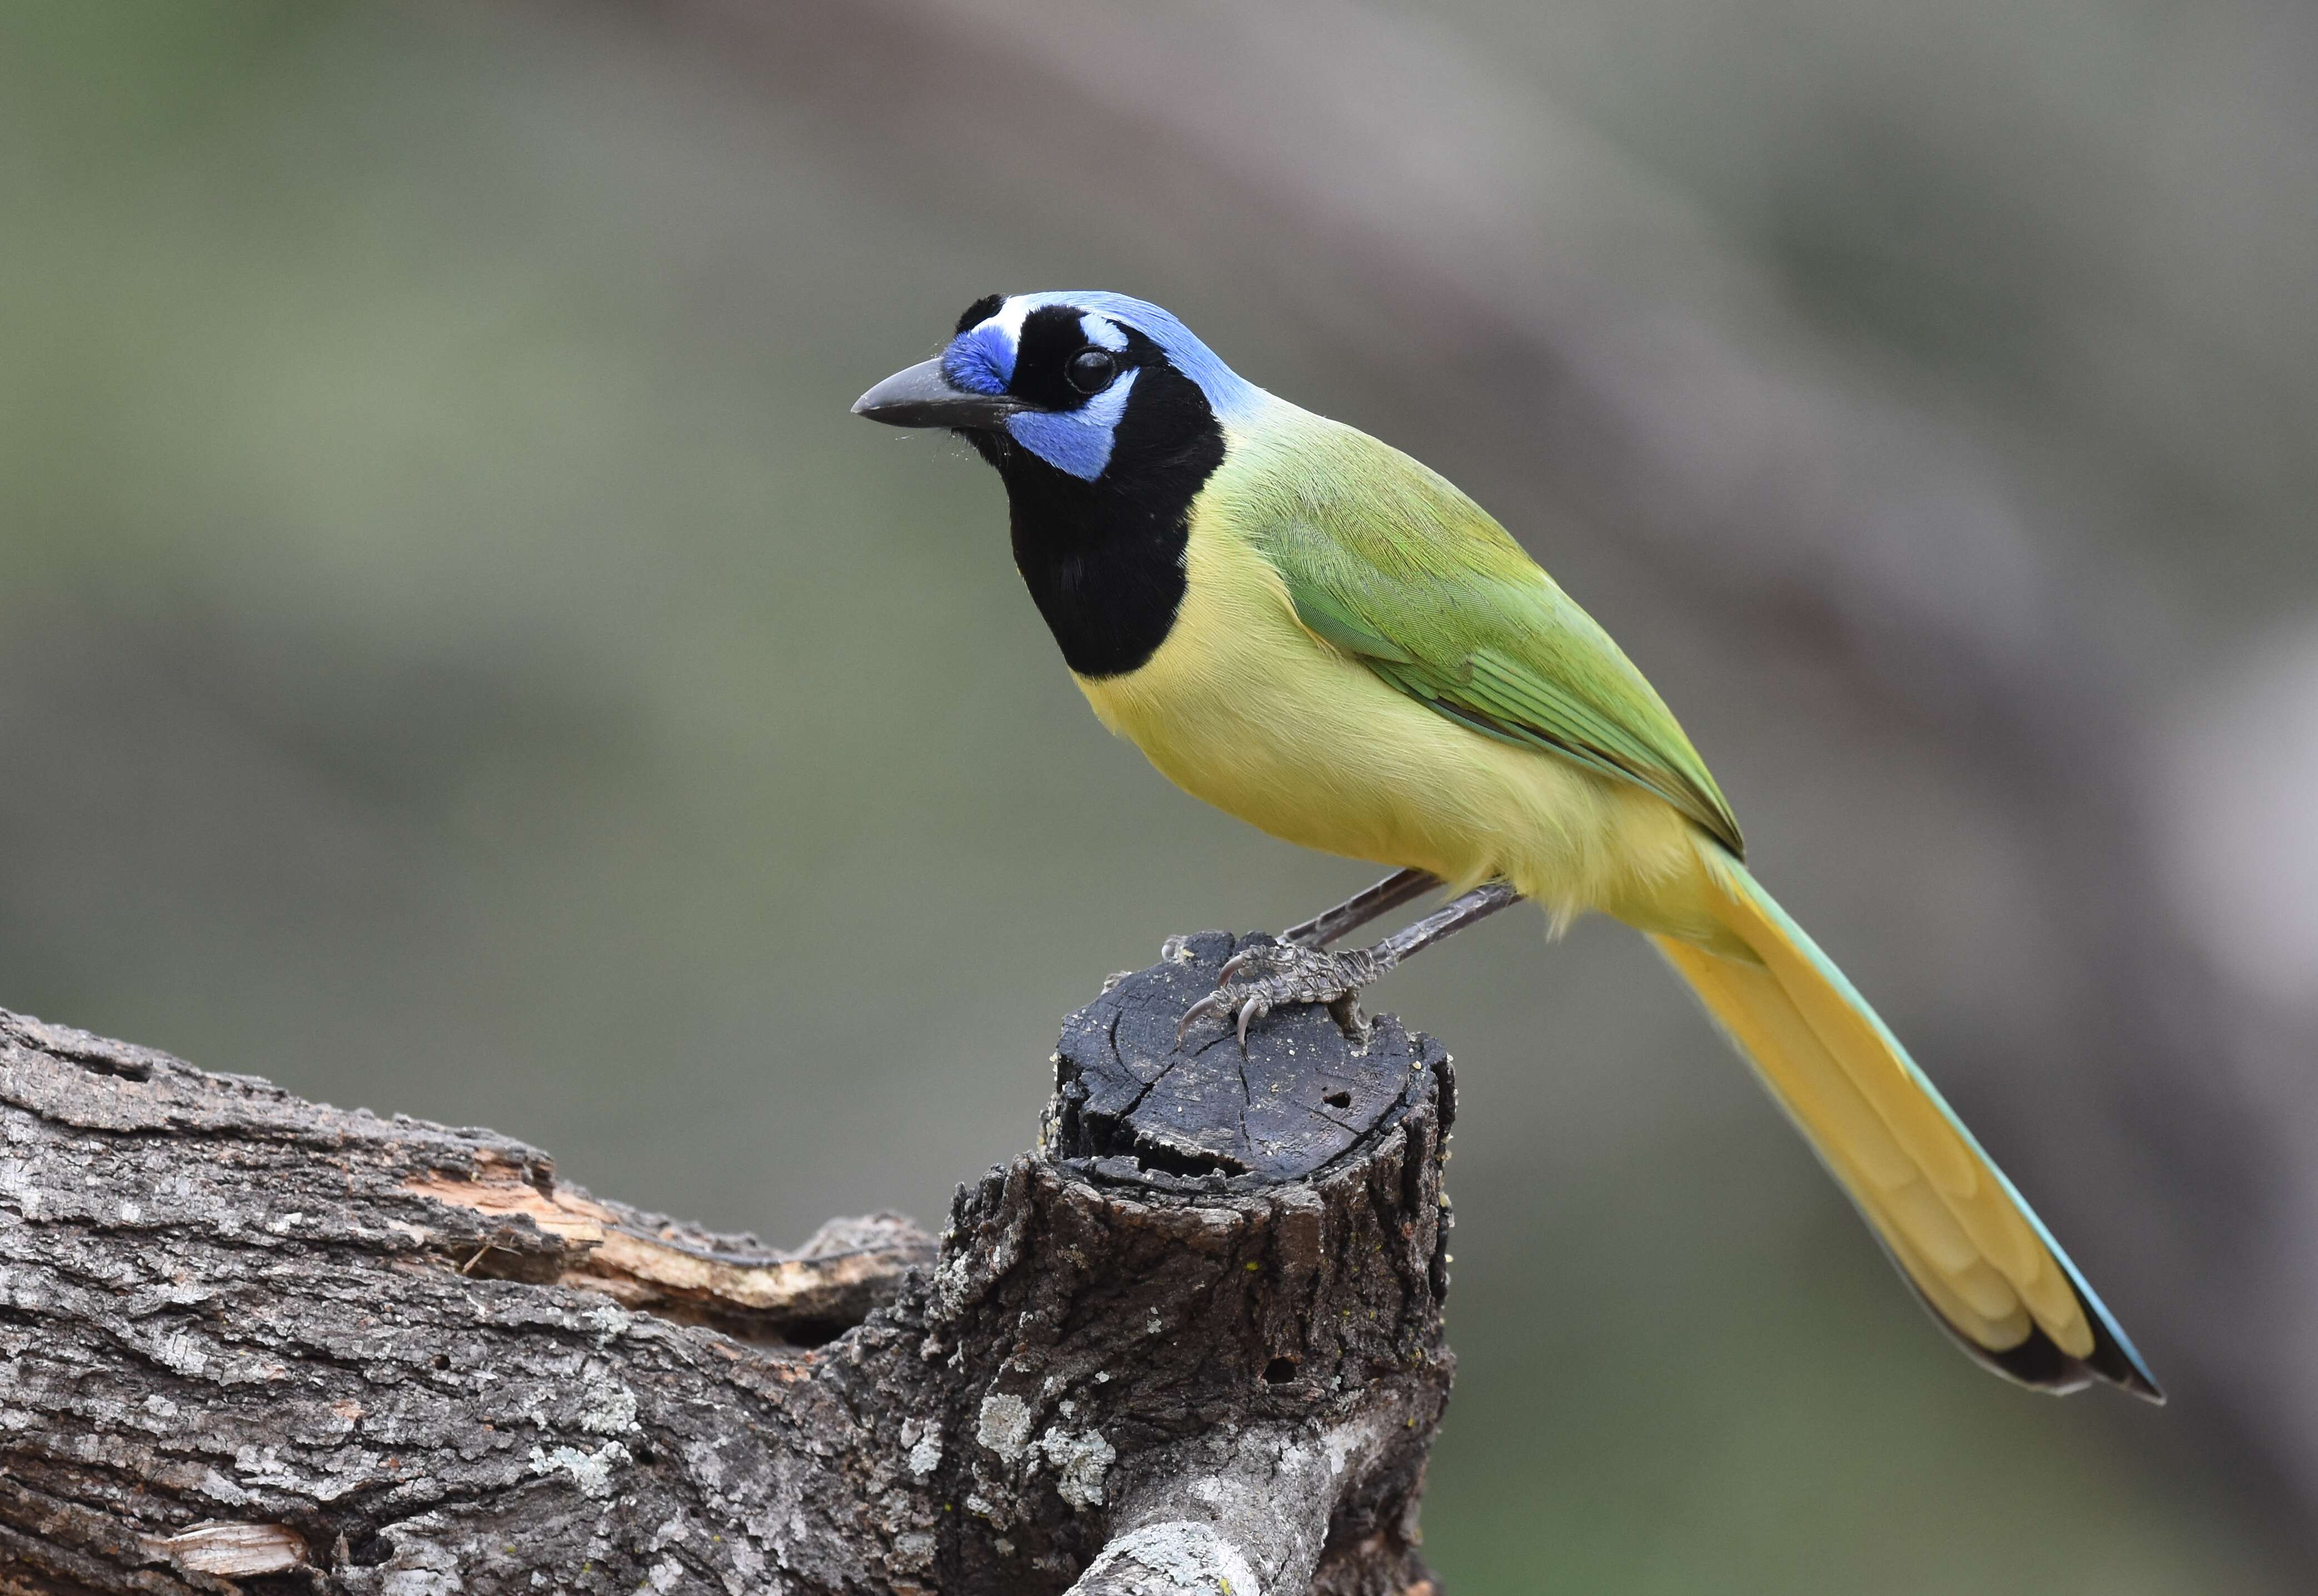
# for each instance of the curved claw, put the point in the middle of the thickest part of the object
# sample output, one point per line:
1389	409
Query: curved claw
1214	1006
1253	1009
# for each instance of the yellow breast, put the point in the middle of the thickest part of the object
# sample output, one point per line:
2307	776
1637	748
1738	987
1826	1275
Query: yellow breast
1244	708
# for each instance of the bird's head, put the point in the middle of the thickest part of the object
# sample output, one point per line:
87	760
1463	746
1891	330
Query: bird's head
1093	387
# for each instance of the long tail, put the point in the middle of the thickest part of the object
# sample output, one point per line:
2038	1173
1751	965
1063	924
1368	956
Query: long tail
1977	1255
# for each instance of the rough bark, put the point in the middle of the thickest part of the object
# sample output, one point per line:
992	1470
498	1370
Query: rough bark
1191	1342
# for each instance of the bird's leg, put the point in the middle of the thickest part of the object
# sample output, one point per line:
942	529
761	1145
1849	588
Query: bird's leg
1351	915
1291	973
1360	907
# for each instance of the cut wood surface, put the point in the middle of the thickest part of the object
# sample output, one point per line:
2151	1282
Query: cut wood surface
1191	1342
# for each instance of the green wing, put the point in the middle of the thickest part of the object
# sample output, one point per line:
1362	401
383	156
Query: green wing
1387	560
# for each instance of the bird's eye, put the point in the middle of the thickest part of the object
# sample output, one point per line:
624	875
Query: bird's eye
1091	369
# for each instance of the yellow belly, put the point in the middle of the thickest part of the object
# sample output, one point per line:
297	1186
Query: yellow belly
1245	709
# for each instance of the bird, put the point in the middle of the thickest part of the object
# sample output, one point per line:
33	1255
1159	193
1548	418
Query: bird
1311	631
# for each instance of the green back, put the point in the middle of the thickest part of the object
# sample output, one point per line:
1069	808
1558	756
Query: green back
1385	559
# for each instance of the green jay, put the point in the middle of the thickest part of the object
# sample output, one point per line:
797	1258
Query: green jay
1311	631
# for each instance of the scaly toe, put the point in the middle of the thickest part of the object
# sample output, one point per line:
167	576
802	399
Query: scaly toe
1257	980
1243	961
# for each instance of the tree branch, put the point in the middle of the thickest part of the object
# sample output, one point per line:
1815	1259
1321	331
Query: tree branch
252	1342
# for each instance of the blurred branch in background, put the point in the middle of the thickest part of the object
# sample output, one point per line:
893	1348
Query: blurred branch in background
1363	175
455	649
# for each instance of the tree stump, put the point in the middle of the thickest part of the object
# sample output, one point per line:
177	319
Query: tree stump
1191	1343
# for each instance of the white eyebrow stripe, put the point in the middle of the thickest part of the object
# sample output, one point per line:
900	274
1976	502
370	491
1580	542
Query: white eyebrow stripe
1011	317
1102	331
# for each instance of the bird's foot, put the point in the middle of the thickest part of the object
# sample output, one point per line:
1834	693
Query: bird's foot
1257	980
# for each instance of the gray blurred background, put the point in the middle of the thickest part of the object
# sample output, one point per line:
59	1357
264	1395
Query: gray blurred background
457	654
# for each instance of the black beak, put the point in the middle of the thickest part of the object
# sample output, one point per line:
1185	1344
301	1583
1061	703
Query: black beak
924	397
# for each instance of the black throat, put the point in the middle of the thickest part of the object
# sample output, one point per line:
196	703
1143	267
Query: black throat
1104	560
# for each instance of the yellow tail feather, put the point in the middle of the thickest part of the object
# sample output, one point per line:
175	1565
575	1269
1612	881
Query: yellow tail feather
1950	1220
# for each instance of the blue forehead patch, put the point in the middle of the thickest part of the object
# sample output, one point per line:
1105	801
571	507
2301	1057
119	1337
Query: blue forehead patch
981	360
1079	441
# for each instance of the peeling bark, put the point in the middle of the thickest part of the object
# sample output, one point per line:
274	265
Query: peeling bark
1191	1343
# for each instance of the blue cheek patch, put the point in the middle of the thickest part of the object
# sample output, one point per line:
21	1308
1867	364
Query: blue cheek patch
980	361
1078	441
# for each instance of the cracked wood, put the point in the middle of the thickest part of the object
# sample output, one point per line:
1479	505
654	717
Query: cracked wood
250	1342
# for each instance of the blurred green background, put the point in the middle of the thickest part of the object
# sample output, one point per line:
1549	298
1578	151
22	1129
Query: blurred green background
458	654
